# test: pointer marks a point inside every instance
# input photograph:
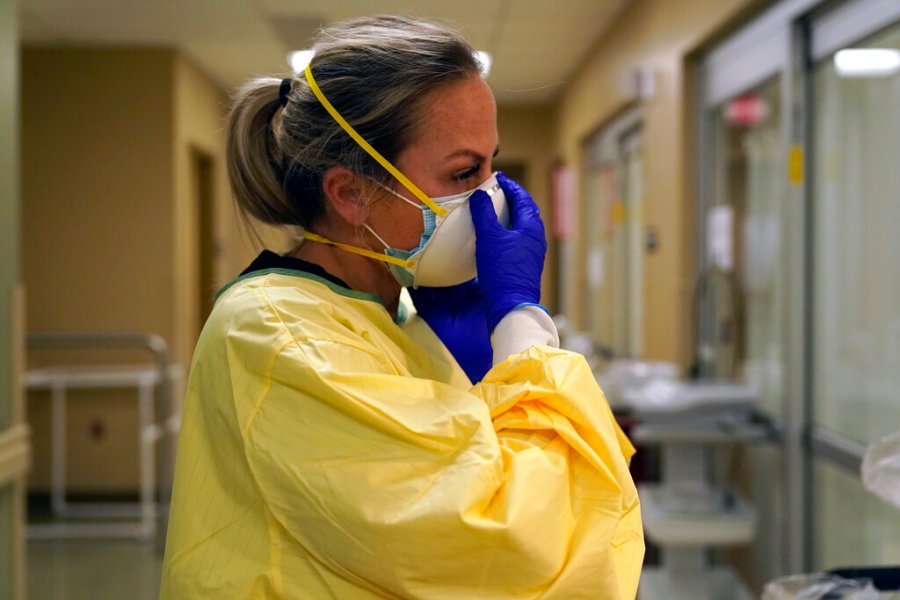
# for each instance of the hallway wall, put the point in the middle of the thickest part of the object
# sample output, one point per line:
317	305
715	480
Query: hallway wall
199	108
109	137
97	181
657	35
97	233
14	439
526	139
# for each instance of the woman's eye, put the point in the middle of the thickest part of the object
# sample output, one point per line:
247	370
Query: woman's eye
467	173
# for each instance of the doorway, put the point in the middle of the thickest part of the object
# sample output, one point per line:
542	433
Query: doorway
202	178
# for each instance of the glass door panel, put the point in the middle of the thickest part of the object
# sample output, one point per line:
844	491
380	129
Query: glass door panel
614	189
746	275
742	293
632	250
856	288
600	192
853	527
618	245
857	247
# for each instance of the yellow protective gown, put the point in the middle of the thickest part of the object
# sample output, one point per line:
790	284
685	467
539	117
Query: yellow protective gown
329	452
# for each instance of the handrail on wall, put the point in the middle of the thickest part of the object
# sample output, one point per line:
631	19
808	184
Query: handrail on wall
824	444
837	448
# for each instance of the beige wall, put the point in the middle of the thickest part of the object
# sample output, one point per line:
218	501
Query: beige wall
526	138
97	185
238	240
199	113
97	234
14	443
654	34
9	199
109	225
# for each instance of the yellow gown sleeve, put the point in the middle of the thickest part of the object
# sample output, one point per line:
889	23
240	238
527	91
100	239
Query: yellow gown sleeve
408	487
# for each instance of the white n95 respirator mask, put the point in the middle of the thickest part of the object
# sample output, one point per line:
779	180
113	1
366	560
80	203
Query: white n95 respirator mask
445	255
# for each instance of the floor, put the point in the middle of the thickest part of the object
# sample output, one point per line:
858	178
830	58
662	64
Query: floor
93	570
90	568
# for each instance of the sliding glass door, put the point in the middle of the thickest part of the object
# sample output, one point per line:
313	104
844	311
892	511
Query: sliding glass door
799	263
745	273
856	271
747	270
614	234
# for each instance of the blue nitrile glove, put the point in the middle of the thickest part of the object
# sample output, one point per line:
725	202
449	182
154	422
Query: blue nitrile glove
509	261
457	316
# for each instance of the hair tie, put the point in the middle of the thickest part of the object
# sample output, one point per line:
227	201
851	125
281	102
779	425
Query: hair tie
284	91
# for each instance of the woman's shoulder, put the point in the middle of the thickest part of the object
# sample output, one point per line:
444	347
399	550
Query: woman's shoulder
290	278
293	294
270	308
269	263
284	293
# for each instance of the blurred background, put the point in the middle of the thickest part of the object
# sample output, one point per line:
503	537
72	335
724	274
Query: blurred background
719	181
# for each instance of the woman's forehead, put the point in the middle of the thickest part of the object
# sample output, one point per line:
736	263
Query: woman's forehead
460	116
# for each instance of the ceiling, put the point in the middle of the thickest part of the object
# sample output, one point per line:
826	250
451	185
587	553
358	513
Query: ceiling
535	44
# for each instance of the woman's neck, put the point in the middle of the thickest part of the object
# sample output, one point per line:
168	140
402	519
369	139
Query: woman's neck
360	273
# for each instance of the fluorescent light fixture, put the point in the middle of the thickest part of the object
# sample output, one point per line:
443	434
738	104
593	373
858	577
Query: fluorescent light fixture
867	62
298	59
485	59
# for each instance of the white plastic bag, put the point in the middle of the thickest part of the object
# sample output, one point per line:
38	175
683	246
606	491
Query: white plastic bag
819	587
881	469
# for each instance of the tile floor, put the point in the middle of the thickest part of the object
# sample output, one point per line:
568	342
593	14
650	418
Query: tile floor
93	570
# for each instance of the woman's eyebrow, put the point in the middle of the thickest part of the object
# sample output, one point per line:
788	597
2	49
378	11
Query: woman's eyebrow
469	152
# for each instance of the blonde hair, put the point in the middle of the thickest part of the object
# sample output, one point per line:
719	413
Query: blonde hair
375	71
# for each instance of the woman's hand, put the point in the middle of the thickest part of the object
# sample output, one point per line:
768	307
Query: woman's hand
457	316
509	261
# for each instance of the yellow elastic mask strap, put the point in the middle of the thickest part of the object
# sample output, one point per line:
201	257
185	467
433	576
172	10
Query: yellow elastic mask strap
368	147
356	250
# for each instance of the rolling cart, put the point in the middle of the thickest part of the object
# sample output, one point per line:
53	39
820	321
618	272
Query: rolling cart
157	427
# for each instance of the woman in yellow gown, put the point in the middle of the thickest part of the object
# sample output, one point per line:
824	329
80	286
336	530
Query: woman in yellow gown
332	444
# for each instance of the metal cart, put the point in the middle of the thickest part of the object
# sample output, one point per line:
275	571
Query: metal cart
158	424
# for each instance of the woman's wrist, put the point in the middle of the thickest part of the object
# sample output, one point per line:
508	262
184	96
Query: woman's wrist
527	325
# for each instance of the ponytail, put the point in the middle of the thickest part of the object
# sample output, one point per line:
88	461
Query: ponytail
256	162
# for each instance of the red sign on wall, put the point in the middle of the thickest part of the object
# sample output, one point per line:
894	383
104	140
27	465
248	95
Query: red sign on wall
749	109
563	202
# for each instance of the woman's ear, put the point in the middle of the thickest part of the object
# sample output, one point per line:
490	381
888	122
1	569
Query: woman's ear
345	191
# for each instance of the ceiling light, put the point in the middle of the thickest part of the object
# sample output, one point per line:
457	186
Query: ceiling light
485	59
867	62
298	59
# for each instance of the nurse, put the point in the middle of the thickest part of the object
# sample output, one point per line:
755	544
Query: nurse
332	445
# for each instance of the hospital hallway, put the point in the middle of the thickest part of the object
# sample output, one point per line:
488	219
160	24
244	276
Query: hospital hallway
718	183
